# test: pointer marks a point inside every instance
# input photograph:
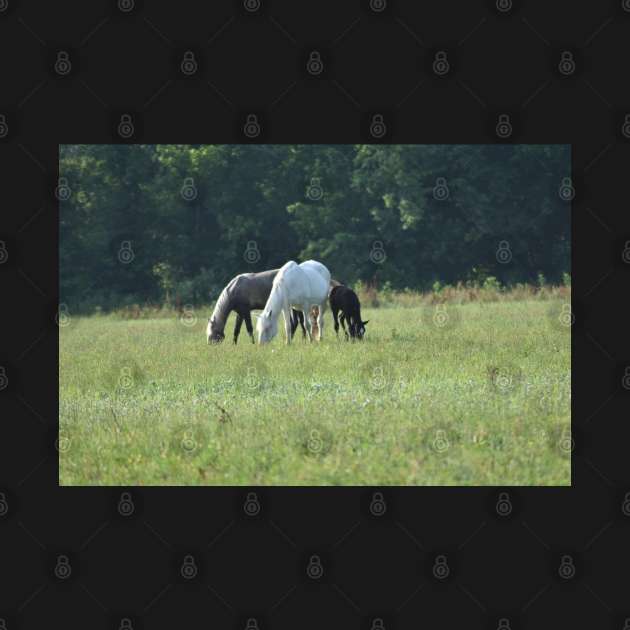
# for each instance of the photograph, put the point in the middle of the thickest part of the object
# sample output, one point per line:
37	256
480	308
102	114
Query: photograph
315	315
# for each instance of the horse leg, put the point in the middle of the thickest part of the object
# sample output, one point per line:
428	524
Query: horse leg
334	314
237	327
320	320
342	319
301	320
248	324
306	309
294	321
286	314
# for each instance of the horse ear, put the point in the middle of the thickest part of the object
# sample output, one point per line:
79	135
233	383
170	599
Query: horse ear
270	313
365	322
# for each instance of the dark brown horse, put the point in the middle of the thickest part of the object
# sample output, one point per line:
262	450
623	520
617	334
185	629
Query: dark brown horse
244	293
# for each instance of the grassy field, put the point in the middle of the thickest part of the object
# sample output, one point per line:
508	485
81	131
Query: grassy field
470	394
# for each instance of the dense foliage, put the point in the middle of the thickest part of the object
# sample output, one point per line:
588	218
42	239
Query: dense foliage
171	222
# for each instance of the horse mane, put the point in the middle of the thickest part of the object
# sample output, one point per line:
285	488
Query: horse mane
278	285
223	302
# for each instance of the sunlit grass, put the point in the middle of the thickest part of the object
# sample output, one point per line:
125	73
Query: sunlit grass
479	396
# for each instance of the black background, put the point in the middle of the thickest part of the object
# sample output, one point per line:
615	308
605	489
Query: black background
255	63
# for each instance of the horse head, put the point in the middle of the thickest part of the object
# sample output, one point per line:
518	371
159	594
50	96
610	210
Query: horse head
357	329
213	333
266	327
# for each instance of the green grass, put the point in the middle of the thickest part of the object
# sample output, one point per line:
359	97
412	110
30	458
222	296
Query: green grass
481	400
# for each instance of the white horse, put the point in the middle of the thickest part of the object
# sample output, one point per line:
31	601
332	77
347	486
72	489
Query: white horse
299	287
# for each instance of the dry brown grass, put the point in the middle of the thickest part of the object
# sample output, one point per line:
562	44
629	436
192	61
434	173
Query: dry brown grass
371	297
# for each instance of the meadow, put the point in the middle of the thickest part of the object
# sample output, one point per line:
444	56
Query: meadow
446	389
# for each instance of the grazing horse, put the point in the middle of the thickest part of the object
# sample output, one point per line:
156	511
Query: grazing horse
343	299
242	294
299	287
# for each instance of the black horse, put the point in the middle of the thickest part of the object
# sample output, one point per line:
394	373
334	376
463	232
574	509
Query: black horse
344	300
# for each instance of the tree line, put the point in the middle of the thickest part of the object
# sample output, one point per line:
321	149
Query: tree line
155	223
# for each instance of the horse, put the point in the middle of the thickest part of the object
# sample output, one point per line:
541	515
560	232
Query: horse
344	299
313	314
298	287
242	294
